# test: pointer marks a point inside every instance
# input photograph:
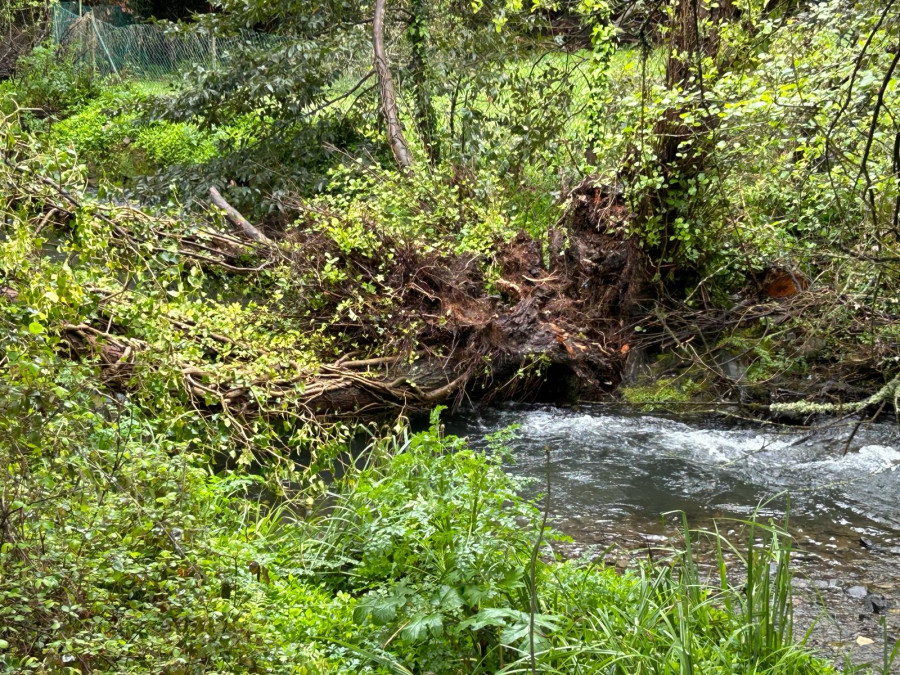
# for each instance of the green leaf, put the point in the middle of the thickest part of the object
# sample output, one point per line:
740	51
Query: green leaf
419	628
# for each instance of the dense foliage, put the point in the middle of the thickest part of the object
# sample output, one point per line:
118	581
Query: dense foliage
179	384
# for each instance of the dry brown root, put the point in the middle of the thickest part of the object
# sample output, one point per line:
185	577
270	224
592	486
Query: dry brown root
359	388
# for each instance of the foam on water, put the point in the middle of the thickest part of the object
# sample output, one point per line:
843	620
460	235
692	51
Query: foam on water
606	465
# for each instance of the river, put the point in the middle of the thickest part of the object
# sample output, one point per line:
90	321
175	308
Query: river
614	474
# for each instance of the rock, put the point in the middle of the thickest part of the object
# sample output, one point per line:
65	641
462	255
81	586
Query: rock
863	641
857	592
732	364
812	346
655	538
866	543
877	604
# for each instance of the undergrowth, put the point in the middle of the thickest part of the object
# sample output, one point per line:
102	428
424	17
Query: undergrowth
124	551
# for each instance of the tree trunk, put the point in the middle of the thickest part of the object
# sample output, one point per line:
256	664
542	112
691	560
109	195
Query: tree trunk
388	95
681	149
426	119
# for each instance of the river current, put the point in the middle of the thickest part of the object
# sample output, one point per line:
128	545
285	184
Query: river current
615	475
619	480
607	468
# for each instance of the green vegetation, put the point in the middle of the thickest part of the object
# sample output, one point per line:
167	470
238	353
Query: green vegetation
124	552
663	390
522	204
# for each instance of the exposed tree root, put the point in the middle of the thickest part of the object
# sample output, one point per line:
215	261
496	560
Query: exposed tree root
556	329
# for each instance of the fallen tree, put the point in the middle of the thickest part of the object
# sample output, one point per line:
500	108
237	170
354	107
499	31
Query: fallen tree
555	330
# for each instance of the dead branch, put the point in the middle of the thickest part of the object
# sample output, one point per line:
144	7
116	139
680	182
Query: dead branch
235	218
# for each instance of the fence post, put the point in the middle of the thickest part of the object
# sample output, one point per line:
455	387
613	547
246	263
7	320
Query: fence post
93	46
214	55
103	44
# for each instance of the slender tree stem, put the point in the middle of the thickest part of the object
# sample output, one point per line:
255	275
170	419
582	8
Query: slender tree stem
398	143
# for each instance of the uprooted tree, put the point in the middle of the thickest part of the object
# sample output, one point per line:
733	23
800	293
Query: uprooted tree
443	307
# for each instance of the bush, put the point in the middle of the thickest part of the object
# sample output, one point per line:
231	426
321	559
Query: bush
437	541
117	144
49	79
168	143
121	552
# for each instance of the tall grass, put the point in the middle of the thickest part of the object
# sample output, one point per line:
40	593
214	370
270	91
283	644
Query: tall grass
438	549
671	621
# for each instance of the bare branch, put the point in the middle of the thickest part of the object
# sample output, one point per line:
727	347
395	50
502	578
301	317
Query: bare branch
234	216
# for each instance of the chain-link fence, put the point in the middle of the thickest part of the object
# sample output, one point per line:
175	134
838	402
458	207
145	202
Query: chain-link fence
107	39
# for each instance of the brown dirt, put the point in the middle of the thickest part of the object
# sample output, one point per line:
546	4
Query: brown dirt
560	319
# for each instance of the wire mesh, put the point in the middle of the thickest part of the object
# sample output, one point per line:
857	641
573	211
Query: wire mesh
144	51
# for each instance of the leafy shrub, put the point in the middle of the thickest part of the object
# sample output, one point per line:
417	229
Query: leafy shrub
118	550
111	136
48	78
437	539
435	209
168	143
7	97
95	131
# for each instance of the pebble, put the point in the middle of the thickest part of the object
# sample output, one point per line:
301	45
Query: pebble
877	604
857	592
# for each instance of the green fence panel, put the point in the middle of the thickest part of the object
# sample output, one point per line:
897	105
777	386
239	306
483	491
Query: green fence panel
148	51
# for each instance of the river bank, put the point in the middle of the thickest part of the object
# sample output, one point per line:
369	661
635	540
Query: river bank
614	474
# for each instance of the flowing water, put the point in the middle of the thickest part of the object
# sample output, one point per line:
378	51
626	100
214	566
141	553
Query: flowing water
606	467
614	475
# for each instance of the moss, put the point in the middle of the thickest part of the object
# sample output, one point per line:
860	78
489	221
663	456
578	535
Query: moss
661	391
767	355
888	393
